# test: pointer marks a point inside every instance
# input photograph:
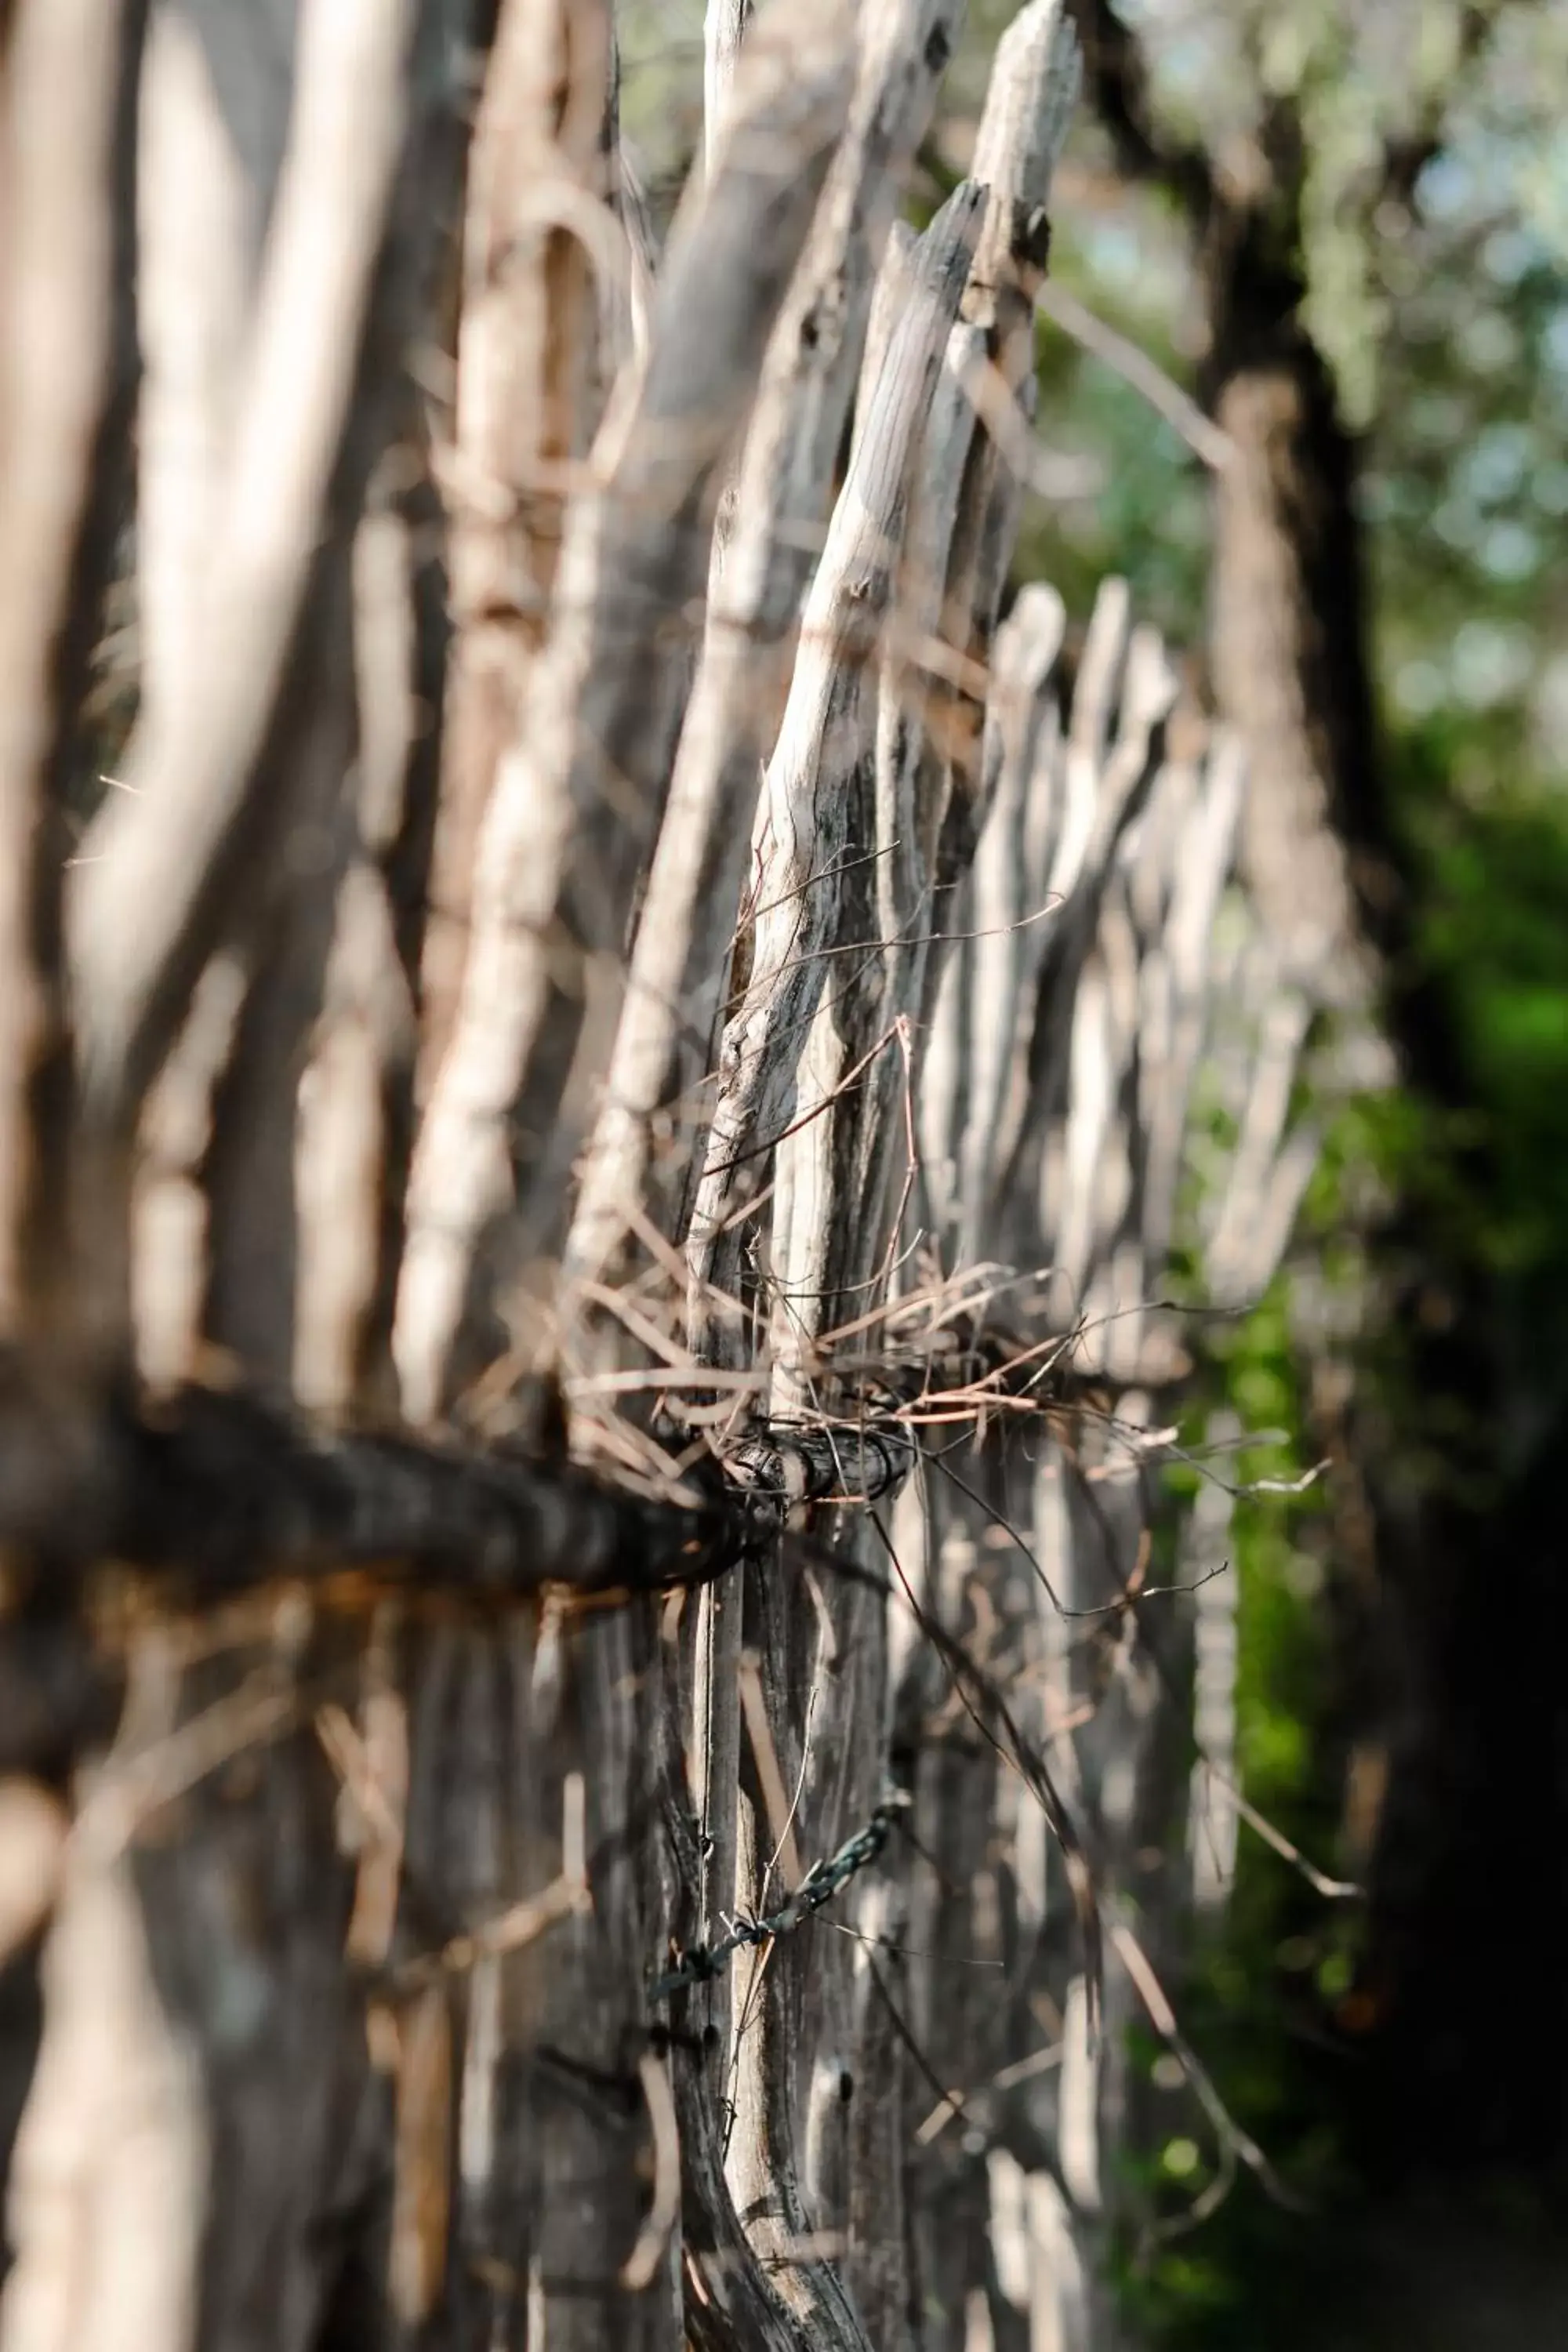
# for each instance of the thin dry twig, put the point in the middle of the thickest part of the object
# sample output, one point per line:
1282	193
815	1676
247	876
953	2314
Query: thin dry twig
641	2265
1202	436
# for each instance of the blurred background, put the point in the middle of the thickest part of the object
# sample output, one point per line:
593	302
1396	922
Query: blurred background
1369	198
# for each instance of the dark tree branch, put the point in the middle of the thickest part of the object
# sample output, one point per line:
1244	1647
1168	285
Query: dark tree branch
1116	84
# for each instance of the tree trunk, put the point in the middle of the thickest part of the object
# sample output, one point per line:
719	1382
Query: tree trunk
1288	625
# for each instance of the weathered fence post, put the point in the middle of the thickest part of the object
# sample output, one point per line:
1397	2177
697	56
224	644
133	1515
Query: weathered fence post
592	1111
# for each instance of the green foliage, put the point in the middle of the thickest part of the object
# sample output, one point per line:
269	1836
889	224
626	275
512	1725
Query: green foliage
1265	1982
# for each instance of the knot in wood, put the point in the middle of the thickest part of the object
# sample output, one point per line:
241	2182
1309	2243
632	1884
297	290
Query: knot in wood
853	1464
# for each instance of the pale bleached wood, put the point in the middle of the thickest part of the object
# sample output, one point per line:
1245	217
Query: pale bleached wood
901	817
154	890
1132	1054
989	509
1008	2184
888	294
912	774
814	1252
1094	970
252	1165
106	2194
214	130
199	242
774	2053
929	788
1095	694
1124	690
828	1218
1061	2303
1098	1262
199	227
625	294
828	323
59	92
301	748
1117	753
1199	862
33	1826
1064	813
877	2126
731	2298
829	1213
1052	2271
1212	1819
544	263
371	988
577	803
107	2199
963	1958
723	30
998	908
1029	102
514	2103
303	757
1271	1166
641	259
827	730
168	1204
714	1767
366	1026
353	1133
1081	1057
782	496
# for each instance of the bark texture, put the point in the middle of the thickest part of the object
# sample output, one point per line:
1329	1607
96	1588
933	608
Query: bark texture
633	1028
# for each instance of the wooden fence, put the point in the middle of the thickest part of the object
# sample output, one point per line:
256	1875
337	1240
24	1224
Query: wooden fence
596	1105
